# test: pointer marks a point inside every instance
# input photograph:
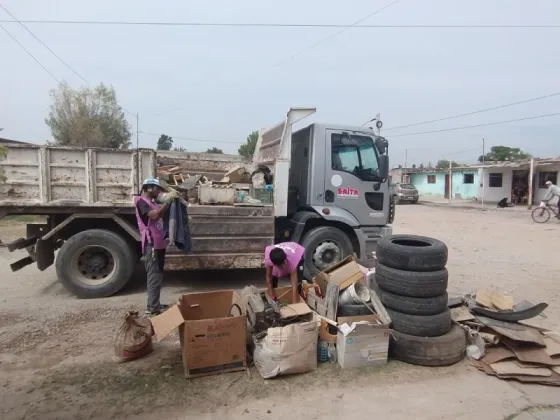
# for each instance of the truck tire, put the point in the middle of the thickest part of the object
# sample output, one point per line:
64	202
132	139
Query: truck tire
324	246
421	325
414	305
410	283
412	253
444	350
95	263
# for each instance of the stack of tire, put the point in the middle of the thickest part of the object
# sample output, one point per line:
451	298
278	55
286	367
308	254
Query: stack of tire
411	281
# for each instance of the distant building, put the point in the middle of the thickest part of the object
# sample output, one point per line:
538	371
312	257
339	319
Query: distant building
8	142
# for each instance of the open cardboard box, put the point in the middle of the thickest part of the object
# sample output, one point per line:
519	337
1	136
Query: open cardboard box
367	344
212	331
291	309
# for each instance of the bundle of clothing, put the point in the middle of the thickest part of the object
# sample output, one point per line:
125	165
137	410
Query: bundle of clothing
177	222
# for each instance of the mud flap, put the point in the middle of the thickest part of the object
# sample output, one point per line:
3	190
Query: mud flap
44	253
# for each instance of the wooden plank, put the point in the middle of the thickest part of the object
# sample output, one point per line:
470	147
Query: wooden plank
502	302
484	297
461	314
379	308
331	301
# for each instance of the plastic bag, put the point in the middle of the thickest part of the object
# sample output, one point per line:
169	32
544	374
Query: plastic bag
543	204
134	337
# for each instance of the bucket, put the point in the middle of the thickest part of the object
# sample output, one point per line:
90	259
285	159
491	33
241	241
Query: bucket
354	294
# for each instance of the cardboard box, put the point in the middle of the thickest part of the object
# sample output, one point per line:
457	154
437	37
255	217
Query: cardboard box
212	331
291	309
342	274
362	341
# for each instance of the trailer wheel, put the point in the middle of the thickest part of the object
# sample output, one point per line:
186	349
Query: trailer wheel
95	263
324	246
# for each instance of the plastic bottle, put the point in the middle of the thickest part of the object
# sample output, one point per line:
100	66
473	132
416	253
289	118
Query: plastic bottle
322	350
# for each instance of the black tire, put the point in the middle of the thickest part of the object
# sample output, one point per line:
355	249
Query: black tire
414	305
410	283
324	246
353	310
444	350
95	263
421	325
412	253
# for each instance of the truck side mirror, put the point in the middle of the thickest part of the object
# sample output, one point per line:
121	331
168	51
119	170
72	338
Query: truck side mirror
381	144
384	166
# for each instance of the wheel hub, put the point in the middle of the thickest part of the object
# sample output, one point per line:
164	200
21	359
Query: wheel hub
93	265
326	254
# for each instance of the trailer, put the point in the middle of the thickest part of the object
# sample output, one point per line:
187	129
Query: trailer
331	194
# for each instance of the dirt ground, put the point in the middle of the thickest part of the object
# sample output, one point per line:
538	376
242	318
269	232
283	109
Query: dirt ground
56	350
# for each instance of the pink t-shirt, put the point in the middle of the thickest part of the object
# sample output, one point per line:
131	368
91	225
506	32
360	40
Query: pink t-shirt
294	252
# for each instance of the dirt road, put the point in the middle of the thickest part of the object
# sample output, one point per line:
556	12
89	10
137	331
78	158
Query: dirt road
56	350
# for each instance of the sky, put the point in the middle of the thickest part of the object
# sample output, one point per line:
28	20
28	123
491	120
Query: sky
217	84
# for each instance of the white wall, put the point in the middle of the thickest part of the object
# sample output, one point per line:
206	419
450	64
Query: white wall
495	194
541	192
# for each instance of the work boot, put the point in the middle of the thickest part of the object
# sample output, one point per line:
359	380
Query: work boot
162	308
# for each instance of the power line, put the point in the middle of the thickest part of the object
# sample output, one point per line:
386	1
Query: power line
191	138
474	112
30	54
279	25
339	32
479	125
53	53
45	45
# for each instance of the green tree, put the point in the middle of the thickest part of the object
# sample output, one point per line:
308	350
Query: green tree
444	164
215	150
247	149
87	117
179	149
164	142
504	153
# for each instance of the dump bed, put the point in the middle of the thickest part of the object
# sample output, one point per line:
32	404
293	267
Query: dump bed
42	176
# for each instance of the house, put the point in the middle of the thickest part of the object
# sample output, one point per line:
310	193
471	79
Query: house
511	179
435	182
8	142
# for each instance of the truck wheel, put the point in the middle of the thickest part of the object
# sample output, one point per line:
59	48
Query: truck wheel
95	263
324	246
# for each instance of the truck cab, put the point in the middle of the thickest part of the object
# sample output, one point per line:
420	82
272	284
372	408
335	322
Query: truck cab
331	188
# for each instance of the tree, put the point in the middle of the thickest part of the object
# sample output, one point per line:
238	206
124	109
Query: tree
164	142
421	166
504	153
179	149
87	117
444	164
215	150
248	148
413	166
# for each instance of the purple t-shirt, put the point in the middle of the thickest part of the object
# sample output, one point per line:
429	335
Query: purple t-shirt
294	252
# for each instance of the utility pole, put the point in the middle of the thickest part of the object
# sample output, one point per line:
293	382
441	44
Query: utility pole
531	176
405	162
482	172
378	124
137	132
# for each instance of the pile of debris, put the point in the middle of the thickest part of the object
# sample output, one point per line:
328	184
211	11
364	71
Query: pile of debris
500	344
234	187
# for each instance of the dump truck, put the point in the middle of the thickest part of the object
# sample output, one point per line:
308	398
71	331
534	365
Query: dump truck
330	193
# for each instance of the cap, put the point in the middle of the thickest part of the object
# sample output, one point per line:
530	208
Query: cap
548	183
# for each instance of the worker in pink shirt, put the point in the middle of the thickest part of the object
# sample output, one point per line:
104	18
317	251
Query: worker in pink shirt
282	260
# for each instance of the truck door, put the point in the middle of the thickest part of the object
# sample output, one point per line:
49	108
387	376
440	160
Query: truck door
352	164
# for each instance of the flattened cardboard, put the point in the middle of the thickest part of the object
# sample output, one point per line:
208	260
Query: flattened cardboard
510	367
212	331
367	345
552	346
461	314
497	354
291	309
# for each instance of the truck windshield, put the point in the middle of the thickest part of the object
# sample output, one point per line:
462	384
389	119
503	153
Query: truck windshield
354	154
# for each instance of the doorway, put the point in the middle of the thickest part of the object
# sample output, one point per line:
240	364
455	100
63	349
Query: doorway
447	185
520	187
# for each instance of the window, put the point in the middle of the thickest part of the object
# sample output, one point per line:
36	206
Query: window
431	179
495	180
468	178
354	154
547	176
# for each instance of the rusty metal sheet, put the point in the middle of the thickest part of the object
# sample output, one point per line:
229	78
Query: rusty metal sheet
210	261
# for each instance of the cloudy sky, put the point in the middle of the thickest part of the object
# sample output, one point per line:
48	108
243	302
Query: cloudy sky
217	84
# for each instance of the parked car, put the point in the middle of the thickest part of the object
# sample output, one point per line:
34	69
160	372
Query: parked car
404	192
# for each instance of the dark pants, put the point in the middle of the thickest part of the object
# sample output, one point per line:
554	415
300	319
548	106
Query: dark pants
300	279
154	260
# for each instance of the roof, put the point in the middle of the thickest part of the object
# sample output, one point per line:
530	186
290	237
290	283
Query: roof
8	141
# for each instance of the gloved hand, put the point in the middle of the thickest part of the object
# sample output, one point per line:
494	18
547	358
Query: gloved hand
189	222
171	195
